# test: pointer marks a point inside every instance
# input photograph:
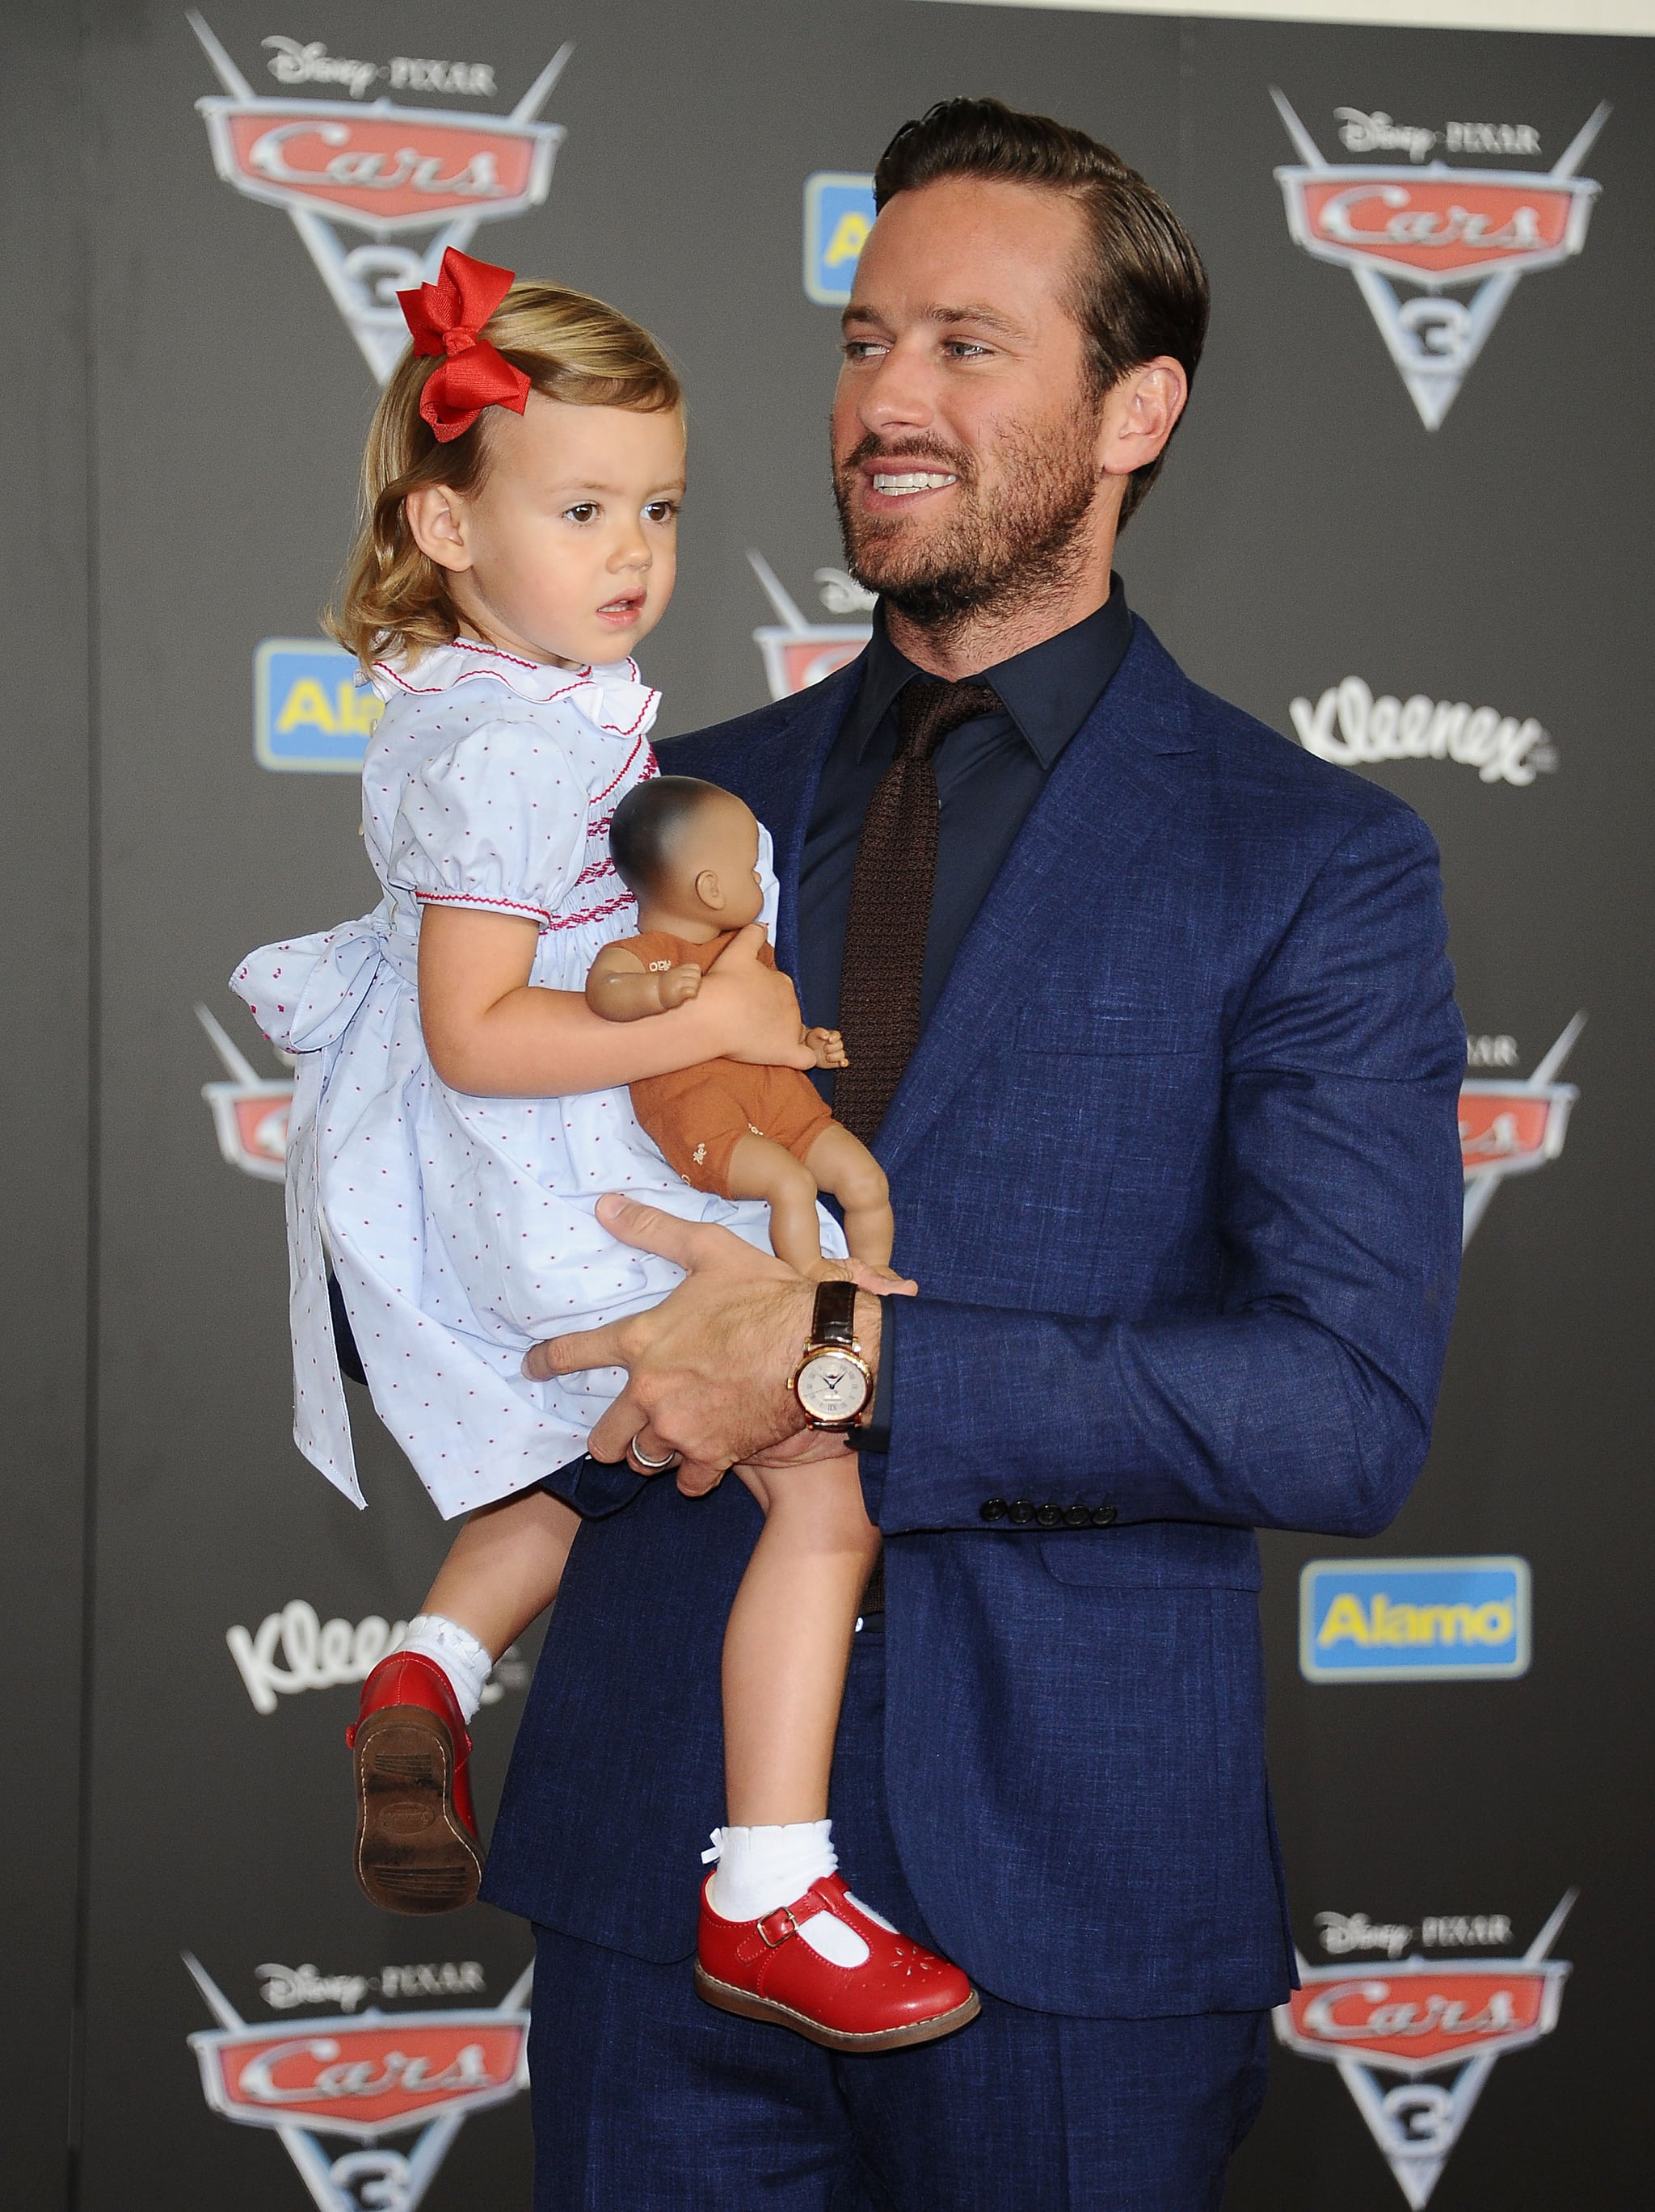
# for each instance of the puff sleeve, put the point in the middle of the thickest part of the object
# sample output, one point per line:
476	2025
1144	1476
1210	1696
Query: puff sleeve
496	822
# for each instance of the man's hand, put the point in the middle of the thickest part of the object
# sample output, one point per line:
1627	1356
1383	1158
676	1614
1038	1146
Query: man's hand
708	1368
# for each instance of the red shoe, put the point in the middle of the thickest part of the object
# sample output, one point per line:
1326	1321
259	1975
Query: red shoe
416	1842
764	1970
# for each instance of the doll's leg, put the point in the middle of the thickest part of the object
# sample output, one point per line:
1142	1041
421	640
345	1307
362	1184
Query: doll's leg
781	1938
418	1848
787	1644
761	1168
842	1164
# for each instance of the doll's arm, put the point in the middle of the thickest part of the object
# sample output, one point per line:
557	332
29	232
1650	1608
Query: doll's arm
829	1047
492	1033
620	989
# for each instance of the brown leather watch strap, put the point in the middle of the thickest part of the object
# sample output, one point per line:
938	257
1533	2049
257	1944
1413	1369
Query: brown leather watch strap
834	1321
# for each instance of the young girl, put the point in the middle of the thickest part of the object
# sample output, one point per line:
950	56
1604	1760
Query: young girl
459	1109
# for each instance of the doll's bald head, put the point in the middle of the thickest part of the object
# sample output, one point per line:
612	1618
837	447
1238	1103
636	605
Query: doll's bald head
687	850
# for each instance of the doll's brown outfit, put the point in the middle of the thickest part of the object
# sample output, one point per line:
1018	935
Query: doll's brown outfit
697	1114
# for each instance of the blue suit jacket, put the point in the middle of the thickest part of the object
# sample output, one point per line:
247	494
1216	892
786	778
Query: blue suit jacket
1177	1168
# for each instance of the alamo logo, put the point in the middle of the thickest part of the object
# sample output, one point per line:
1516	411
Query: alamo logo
312	714
389	173
1414	234
1414	1620
1435	2027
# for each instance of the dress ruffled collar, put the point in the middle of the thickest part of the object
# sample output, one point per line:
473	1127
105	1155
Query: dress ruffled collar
614	696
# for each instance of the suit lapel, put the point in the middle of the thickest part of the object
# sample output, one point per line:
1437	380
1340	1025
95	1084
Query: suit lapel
1114	787
785	804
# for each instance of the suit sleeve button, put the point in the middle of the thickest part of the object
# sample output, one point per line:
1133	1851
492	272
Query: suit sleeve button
1022	1512
1079	1516
1102	1516
993	1508
1049	1516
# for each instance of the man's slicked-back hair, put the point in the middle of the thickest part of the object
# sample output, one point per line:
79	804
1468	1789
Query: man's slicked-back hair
647	824
1141	290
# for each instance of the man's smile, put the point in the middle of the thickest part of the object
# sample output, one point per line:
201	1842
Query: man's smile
902	485
893	484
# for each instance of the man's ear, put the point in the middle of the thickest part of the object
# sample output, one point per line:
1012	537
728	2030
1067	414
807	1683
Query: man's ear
436	523
709	891
1140	415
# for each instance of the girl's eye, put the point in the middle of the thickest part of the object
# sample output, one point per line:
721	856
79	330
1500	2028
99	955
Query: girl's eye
661	510
584	511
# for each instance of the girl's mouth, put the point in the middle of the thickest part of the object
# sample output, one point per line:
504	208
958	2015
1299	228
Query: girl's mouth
621	613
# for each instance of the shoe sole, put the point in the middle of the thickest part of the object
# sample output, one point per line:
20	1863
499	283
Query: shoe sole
414	1853
748	2007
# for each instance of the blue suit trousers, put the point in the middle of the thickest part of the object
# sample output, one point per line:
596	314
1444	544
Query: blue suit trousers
648	2100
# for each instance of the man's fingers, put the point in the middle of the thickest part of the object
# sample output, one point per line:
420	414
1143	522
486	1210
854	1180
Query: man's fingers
581	1348
614	1433
808	1444
693	1245
879	1280
696	1478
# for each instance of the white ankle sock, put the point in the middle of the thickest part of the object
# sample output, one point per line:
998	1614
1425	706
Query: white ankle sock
466	1663
761	1869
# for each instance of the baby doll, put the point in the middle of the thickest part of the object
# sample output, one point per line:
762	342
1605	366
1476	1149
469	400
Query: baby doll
688	852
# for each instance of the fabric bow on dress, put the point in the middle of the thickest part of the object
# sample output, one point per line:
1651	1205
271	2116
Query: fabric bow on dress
447	317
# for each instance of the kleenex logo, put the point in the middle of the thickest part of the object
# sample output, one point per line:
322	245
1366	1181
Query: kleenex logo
1367	1620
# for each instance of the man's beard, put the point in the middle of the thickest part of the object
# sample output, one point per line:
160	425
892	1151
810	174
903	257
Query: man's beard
1022	544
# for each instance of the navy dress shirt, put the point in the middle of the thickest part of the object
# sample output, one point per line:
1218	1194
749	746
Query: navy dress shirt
990	773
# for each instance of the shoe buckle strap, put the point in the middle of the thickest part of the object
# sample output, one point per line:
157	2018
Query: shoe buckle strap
782	1922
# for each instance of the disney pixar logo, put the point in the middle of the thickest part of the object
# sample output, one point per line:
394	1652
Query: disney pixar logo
363	2078
798	652
1437	2027
374	167
1434	231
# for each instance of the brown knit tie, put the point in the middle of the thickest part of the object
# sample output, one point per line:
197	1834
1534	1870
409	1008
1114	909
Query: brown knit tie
890	904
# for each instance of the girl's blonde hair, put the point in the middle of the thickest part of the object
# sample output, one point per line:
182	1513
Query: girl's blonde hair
394	599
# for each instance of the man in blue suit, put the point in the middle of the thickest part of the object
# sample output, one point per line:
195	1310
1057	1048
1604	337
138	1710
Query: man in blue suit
1153	1028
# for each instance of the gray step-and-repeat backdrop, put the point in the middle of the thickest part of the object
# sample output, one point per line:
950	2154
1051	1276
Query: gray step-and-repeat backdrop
1407	523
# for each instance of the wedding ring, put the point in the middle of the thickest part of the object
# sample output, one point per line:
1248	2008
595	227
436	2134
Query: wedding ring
642	1460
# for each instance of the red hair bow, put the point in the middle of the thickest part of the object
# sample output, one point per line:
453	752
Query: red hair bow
447	317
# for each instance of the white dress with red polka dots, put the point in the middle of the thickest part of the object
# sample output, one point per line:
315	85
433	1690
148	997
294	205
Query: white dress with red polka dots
462	1229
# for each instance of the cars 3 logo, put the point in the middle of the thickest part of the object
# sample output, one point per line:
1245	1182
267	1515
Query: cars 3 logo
1435	231
1512	1128
364	2077
799	653
1440	2028
250	1110
389	172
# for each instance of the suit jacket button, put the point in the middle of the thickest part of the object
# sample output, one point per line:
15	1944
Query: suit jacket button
993	1508
1049	1516
1022	1512
1102	1516
1078	1516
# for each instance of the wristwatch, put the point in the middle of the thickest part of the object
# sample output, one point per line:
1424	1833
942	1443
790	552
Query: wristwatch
833	1383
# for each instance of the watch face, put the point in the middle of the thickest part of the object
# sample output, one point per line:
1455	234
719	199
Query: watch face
831	1386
